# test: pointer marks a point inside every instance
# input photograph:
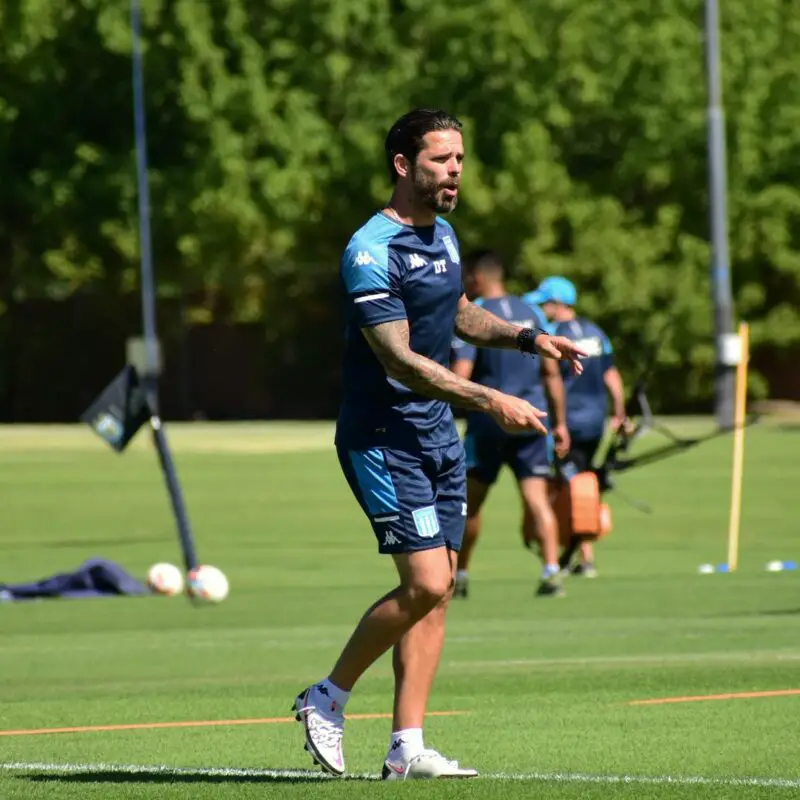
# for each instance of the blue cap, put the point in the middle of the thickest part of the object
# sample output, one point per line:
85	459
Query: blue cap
555	290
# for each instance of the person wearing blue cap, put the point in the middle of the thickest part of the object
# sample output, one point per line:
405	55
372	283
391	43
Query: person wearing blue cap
488	448
587	397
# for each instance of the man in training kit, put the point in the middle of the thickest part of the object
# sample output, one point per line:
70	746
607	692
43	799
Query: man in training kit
587	398
488	447
396	437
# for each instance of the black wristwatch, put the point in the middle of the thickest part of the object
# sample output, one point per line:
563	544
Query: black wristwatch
526	339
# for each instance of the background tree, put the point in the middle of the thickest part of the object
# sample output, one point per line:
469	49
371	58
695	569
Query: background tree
586	129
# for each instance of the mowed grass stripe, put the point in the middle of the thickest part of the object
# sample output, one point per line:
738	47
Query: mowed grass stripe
183	437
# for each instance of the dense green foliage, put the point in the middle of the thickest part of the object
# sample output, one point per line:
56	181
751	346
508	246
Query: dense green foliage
586	129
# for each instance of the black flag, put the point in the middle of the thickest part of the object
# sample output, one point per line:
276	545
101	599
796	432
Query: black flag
119	411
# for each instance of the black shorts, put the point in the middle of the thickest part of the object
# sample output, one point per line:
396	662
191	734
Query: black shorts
582	453
529	456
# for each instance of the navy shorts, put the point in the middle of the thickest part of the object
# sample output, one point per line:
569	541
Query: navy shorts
414	500
527	456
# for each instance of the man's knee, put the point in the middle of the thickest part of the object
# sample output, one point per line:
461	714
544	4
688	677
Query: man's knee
426	592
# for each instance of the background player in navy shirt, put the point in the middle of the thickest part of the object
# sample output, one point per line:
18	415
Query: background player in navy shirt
396	437
487	446
588	395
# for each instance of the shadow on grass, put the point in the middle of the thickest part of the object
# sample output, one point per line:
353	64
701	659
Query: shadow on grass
766	612
162	777
780	612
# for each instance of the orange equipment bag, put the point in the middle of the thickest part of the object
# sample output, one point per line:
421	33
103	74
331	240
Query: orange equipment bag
579	511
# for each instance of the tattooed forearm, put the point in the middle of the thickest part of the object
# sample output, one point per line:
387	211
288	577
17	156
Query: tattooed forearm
390	342
480	327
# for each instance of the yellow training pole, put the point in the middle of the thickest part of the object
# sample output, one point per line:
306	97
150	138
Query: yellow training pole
734	517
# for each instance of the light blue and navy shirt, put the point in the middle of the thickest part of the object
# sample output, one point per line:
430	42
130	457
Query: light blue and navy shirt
390	271
587	396
508	371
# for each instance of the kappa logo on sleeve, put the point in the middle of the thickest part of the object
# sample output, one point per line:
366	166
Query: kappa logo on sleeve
364	259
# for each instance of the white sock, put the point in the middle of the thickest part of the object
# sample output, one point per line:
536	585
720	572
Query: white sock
405	744
462	574
325	691
549	570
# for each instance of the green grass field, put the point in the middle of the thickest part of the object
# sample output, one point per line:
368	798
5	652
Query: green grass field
545	689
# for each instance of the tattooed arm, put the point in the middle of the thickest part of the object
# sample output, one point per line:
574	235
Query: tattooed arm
480	327
390	343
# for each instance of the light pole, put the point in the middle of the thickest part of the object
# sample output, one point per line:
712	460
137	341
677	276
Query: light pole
726	339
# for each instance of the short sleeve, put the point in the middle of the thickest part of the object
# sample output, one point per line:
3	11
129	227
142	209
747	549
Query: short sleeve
608	353
539	315
462	351
372	283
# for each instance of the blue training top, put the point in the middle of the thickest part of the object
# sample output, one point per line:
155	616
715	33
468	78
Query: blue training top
587	396
391	271
508	371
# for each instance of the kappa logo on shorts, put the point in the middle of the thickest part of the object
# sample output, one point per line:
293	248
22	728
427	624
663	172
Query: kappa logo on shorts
390	539
426	522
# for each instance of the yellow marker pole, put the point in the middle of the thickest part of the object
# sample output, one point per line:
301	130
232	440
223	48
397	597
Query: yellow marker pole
734	517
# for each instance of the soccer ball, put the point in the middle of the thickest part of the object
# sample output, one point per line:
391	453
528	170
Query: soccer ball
207	583
165	579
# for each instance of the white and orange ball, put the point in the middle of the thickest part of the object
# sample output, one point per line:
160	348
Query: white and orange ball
165	579
207	583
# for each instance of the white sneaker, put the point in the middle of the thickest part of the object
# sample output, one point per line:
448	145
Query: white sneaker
324	727
429	764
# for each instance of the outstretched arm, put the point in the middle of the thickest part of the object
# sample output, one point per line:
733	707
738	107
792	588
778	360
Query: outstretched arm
390	343
480	327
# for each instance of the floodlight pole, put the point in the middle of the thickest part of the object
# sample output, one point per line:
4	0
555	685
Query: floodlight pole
145	238
725	337
150	376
